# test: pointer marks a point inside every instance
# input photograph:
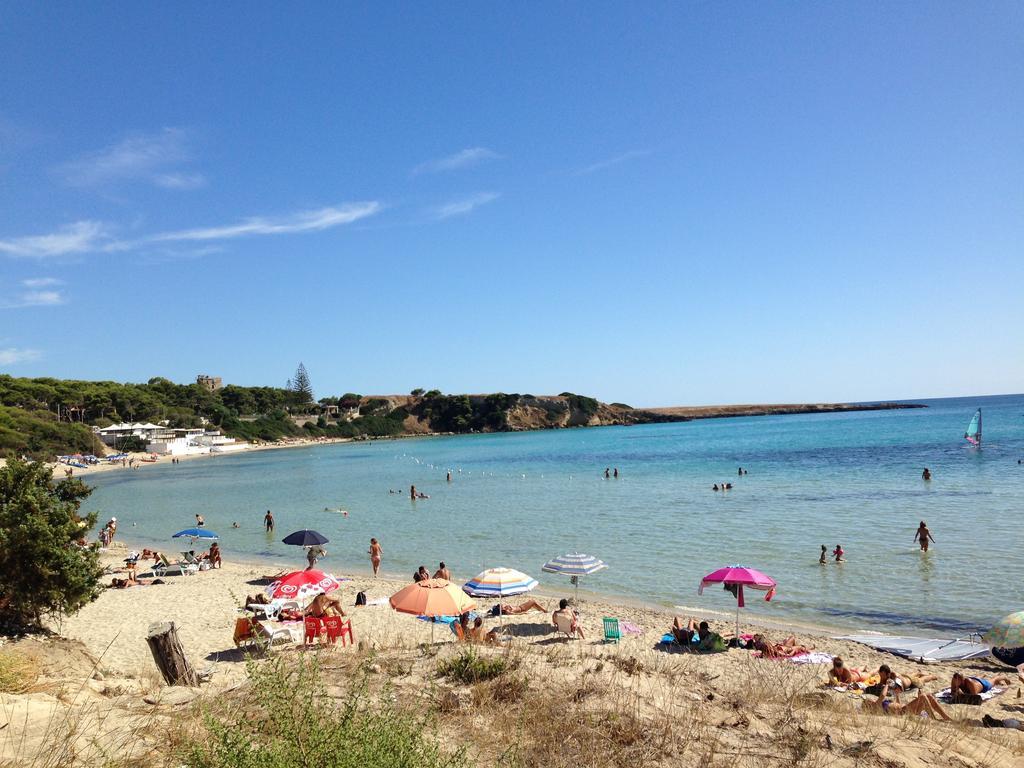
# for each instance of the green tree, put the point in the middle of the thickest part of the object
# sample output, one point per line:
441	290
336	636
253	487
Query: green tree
42	569
301	386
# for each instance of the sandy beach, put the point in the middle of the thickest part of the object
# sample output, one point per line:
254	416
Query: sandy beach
725	685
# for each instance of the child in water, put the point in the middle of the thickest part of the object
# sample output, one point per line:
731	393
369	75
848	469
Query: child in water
824	554
838	552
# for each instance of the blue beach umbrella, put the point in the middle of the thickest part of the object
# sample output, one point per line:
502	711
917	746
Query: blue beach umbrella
196	533
305	538
574	565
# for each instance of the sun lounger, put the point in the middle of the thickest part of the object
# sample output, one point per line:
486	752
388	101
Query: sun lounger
611	630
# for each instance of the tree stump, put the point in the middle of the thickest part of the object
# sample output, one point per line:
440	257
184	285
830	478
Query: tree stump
169	655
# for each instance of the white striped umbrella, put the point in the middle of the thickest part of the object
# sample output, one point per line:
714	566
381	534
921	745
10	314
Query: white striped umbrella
574	564
499	582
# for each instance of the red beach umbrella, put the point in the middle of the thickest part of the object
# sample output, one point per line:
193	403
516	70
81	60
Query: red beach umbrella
738	577
302	584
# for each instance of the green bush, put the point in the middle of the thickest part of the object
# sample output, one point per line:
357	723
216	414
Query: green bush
42	570
287	720
469	667
38	435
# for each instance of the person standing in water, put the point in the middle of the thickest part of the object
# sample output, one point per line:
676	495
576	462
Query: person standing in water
923	535
824	555
268	520
375	553
412	491
838	552
927	474
606	473
449	476
615	473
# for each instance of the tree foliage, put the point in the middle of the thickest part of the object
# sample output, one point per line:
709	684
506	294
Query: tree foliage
43	571
301	387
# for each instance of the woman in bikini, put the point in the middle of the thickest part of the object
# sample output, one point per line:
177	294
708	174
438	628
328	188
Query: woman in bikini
784	650
840	674
973	686
924	703
375	553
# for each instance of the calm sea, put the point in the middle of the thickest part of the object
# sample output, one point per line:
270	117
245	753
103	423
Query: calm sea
518	499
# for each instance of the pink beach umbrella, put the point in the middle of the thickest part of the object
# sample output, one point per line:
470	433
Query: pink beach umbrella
738	577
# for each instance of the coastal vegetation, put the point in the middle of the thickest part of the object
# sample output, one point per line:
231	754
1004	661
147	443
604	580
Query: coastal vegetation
43	570
44	417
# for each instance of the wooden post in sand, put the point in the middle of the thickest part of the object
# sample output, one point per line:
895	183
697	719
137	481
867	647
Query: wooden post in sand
169	655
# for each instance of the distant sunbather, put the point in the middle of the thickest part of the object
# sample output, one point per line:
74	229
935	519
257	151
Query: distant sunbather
900	681
924	703
973	686
707	641
507	609
842	675
481	635
784	650
325	605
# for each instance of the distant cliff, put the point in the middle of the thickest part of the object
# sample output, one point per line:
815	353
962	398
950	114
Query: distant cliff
433	412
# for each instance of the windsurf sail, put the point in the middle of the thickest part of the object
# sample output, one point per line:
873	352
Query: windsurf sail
921	649
973	433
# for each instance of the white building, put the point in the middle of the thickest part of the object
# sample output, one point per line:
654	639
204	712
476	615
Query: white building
189	442
110	435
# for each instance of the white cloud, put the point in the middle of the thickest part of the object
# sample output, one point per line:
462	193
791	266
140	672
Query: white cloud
13	355
624	157
41	282
35	299
149	157
179	180
92	236
80	237
462	159
464	205
304	221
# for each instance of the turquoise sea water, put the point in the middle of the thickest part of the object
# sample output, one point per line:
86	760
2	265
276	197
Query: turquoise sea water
518	499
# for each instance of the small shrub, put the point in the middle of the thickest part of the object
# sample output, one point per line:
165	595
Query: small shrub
506	689
469	667
287	720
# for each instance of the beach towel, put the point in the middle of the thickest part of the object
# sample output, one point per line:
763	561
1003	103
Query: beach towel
945	697
810	658
631	628
378	601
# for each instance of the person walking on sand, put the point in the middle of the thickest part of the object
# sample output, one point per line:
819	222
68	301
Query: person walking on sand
923	535
268	520
313	554
838	552
375	552
824	555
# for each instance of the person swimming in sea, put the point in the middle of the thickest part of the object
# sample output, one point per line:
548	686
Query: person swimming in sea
838	552
824	555
714	487
923	535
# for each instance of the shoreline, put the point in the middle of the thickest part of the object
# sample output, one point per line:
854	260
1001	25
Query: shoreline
668	608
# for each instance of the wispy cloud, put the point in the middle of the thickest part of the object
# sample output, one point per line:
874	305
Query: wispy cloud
149	157
14	355
92	236
464	205
80	237
461	159
179	180
305	221
41	282
632	154
34	298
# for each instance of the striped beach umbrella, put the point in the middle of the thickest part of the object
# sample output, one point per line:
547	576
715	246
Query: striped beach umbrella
499	582
1008	633
574	565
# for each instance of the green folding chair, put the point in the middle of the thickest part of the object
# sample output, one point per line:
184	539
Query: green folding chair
611	630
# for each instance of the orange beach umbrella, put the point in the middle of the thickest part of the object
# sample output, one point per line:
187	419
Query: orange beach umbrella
432	597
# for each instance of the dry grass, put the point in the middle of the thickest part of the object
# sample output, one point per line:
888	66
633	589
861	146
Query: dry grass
19	671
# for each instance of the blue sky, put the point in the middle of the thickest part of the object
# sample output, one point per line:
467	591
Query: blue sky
659	204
